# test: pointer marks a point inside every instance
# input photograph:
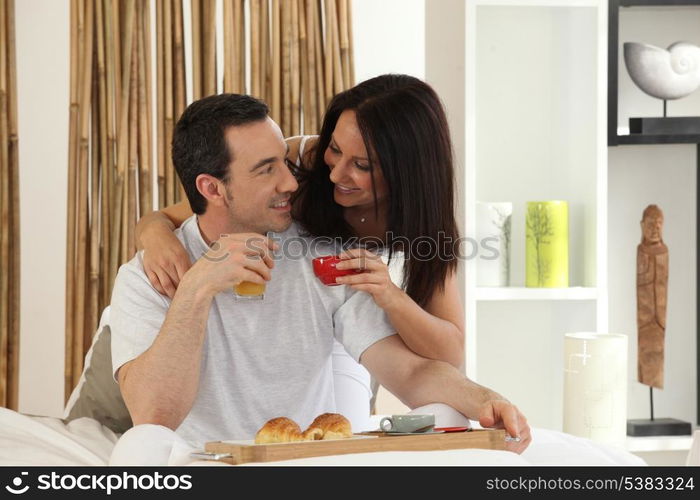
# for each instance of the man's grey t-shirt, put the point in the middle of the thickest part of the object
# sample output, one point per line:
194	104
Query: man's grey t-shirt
261	358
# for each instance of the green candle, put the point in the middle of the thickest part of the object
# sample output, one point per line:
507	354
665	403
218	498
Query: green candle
547	245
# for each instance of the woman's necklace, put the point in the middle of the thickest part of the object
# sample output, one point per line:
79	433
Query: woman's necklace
366	221
364	217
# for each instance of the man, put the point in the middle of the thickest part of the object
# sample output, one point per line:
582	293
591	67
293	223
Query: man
213	367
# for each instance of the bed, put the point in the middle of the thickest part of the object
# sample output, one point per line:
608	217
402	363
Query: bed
27	440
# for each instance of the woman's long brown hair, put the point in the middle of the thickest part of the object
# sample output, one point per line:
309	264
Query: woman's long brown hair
404	127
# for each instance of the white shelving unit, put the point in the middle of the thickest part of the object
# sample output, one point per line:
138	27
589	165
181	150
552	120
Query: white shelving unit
659	443
536	112
523	293
661	450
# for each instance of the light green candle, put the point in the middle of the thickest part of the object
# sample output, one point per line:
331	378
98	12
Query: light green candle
547	245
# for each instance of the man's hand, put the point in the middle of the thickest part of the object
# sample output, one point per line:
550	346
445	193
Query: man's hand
233	258
501	414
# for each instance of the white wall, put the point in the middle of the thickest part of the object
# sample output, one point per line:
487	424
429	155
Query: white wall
664	175
43	87
445	47
389	37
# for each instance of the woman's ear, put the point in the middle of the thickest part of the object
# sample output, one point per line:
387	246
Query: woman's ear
213	190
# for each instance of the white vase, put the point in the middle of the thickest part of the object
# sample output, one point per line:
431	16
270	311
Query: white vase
595	386
493	230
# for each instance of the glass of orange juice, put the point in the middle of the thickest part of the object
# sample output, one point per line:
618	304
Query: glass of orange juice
248	290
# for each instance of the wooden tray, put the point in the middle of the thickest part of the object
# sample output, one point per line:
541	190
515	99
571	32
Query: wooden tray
244	453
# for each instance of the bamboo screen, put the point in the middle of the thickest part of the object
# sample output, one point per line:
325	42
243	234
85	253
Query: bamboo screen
294	54
9	205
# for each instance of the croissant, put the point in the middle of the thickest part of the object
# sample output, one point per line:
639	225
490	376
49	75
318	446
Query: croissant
279	430
286	430
330	426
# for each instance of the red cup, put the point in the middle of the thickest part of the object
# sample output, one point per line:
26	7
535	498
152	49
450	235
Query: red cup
324	268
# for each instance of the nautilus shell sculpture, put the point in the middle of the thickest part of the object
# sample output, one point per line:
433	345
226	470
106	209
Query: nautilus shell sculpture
664	73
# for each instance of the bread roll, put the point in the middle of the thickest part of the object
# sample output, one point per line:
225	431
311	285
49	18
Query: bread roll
286	430
279	430
330	426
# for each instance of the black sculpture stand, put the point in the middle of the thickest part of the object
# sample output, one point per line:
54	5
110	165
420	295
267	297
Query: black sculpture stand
659	426
673	125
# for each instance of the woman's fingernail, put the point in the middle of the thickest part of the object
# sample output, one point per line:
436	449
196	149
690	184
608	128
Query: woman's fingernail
339	280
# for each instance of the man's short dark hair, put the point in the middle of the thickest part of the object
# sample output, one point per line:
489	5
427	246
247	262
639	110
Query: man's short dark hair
198	144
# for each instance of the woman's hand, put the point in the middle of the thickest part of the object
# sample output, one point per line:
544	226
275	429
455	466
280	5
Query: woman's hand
165	262
373	276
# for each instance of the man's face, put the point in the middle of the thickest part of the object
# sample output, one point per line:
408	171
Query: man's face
651	228
260	183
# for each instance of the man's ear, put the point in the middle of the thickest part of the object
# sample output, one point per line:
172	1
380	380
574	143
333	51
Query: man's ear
213	189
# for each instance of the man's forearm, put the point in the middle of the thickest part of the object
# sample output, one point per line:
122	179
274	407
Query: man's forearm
419	381
439	382
160	385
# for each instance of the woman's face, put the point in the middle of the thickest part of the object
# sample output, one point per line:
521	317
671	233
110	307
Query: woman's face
348	160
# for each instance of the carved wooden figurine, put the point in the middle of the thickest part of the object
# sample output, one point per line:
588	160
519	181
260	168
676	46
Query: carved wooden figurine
652	293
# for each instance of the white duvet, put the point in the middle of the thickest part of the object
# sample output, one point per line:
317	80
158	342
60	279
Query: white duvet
30	440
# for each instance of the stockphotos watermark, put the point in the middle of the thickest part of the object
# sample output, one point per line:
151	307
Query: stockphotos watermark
18	487
106	483
423	248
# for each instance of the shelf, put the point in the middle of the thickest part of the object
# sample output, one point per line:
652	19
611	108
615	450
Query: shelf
615	138
658	443
523	293
657	3
658	139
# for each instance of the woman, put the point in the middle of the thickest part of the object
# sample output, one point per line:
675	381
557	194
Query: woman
380	169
